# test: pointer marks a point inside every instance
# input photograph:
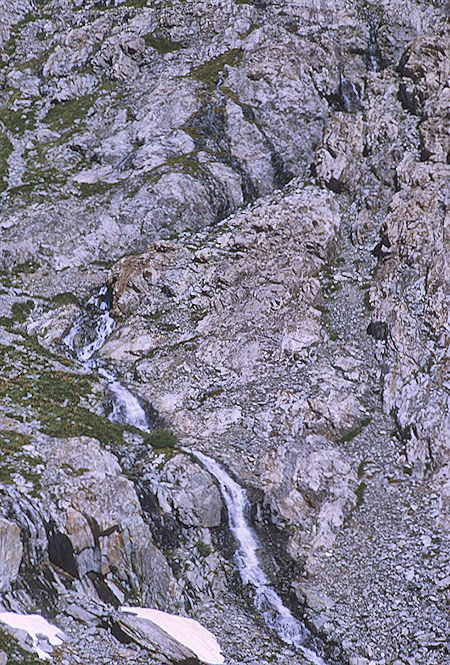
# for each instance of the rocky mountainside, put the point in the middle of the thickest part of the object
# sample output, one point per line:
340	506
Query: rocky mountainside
224	229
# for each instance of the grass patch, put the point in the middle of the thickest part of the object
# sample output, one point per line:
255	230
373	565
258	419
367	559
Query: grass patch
321	308
203	549
25	268
330	288
32	345
21	310
161	44
209	73
360	493
13	461
95	188
53	397
251	29
16	655
61	116
361	468
139	4
161	438
6	149
35	62
65	423
66	298
12	442
17	122
208	394
44	177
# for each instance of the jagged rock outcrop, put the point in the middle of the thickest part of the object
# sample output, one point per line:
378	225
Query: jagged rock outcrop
98	509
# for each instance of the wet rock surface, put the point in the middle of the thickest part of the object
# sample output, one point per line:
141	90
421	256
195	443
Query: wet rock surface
264	190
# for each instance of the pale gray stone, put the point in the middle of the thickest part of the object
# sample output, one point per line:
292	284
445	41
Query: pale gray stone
11	550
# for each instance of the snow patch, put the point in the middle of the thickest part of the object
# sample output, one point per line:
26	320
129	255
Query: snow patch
38	629
186	631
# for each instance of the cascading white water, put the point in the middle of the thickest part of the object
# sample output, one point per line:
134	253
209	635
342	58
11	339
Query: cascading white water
103	325
267	601
127	409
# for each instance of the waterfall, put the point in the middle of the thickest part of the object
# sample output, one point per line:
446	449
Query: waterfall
126	408
92	328
350	95
276	615
86	336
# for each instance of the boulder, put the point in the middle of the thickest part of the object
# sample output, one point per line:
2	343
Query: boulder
152	638
186	490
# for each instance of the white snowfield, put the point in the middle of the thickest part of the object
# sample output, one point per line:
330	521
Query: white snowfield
186	631
35	626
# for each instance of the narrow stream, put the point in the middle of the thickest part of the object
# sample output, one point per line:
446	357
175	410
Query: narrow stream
86	336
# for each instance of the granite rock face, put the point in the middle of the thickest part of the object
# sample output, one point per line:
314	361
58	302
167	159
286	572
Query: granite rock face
263	189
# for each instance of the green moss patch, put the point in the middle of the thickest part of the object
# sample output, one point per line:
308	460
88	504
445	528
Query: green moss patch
203	549
61	116
16	655
161	438
210	71
161	44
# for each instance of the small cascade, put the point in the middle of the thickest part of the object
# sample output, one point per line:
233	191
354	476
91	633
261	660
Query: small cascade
276	614
126	407
86	336
91	330
374	58
350	95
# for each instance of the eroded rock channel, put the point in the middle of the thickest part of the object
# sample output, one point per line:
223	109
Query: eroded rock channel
224	231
